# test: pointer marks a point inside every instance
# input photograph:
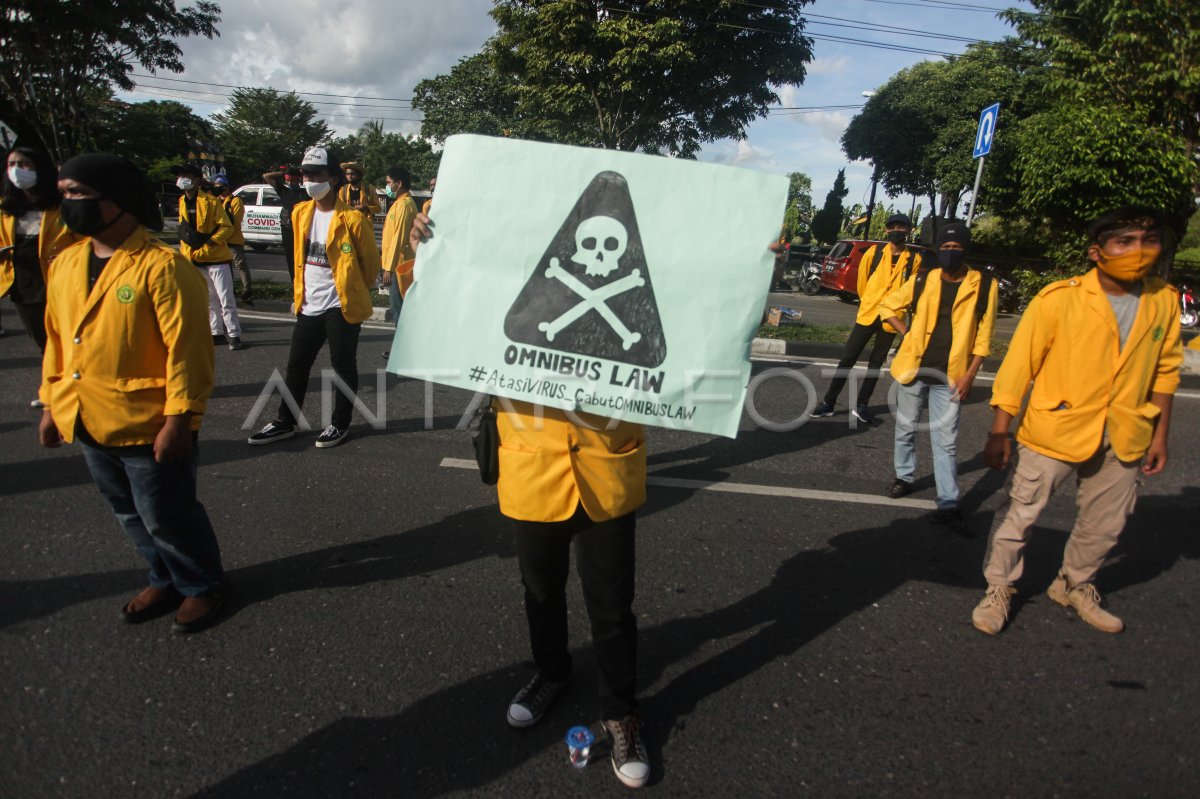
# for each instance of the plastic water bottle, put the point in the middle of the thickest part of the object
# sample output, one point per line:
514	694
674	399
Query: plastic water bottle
579	745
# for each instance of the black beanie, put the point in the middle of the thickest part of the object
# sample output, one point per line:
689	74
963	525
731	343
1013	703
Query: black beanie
116	179
954	231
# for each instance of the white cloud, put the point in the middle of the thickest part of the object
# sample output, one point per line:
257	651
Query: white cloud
828	124
829	66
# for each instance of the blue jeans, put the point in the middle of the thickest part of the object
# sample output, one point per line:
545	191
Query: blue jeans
394	299
943	436
157	507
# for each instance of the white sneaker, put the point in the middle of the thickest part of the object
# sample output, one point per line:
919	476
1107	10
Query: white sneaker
628	757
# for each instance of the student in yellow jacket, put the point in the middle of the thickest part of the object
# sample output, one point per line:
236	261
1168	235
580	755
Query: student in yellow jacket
236	210
1103	353
397	252
337	262
32	234
204	234
357	193
127	374
946	337
881	271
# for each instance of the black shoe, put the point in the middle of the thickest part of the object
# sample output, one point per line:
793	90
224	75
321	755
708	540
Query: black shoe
218	338
248	300
863	415
532	701
235	343
275	431
953	518
899	488
332	436
629	759
824	409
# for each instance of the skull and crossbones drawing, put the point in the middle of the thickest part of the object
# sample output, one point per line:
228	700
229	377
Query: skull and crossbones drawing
600	241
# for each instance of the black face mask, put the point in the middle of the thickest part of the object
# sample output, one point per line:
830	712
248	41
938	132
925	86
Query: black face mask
951	260
85	217
897	236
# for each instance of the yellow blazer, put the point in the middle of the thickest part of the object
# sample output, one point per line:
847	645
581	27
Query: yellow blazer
353	257
396	227
970	337
1084	382
235	209
872	288
368	197
53	237
211	218
133	350
549	465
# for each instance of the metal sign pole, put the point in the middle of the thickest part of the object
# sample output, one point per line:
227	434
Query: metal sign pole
975	193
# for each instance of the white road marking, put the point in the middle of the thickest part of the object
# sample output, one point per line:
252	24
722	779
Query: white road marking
750	488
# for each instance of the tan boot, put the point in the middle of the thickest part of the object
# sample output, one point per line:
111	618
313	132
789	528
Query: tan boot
1087	603
991	614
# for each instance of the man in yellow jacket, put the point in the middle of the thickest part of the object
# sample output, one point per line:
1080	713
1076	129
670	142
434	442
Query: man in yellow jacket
357	193
127	373
1103	353
881	271
236	210
397	226
337	262
946	316
204	234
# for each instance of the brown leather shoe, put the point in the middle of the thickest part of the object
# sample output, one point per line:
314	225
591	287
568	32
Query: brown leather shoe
200	612
150	603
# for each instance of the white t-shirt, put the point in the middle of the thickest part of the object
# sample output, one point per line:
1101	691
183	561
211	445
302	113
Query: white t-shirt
29	223
320	293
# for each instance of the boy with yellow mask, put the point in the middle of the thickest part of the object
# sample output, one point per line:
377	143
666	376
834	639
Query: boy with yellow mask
1103	353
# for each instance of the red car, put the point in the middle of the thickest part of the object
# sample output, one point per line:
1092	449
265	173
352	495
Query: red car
839	270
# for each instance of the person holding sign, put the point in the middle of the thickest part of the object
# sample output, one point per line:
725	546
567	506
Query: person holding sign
337	262
1103	353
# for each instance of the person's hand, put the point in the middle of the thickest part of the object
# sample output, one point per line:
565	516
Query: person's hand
48	435
422	230
779	248
997	451
386	280
174	441
1156	458
962	387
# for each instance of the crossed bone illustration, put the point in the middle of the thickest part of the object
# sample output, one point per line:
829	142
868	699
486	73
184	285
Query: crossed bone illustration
593	299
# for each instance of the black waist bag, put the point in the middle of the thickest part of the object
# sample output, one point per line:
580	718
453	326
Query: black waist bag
487	445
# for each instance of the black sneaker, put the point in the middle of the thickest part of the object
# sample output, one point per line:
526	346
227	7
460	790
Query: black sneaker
248	301
275	431
235	343
824	409
629	758
218	338
862	414
532	701
953	518
899	488
332	436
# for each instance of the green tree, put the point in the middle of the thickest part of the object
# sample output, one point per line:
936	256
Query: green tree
648	75
57	57
154	132
474	97
798	216
264	128
378	150
827	222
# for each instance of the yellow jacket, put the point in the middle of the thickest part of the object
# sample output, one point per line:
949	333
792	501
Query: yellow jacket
1083	381
367	197
53	237
210	218
235	209
970	337
549	465
133	350
353	257
396	227
872	288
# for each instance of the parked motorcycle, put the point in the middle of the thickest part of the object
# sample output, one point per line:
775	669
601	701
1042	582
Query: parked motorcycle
810	277
1008	293
1188	314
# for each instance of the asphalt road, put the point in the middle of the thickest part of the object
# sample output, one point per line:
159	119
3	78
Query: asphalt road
790	645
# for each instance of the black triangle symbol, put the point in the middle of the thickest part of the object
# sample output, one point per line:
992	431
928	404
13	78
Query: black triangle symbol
591	293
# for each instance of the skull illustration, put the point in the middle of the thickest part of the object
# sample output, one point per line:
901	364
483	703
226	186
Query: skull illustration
600	241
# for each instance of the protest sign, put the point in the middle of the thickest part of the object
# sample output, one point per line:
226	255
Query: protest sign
623	285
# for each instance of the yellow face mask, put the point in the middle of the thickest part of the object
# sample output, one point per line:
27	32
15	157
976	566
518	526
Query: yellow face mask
1130	266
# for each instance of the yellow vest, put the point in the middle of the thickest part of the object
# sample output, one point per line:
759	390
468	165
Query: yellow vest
212	219
352	253
236	211
53	237
133	350
873	287
550	465
396	227
1084	382
367	197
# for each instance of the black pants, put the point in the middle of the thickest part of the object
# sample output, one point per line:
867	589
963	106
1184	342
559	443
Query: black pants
309	335
855	344
33	316
605	558
289	252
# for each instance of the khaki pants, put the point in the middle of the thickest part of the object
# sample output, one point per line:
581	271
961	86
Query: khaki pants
1106	493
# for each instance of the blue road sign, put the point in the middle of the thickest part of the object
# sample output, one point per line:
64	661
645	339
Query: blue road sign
987	130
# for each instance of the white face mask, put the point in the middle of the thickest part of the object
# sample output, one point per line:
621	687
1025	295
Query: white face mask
22	178
185	184
316	190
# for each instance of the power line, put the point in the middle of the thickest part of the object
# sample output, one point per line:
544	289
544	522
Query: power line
260	88
335	113
226	96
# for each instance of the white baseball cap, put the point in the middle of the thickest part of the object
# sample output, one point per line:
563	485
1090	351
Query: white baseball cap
318	158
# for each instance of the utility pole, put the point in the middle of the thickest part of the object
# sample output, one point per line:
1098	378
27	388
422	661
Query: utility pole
871	204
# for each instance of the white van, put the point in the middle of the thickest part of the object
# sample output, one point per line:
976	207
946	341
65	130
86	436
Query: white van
260	225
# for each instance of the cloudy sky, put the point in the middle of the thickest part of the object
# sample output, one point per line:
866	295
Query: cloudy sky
372	52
